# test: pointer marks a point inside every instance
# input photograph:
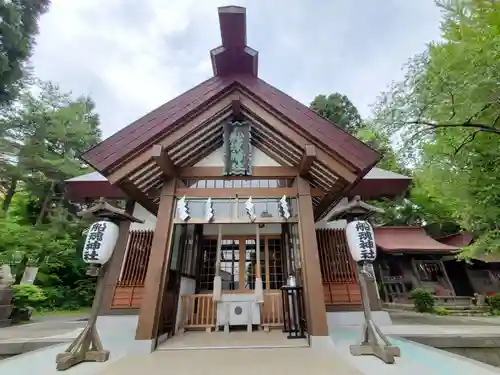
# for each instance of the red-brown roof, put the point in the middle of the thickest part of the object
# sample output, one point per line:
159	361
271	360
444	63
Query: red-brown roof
229	74
457	239
154	124
379	183
409	240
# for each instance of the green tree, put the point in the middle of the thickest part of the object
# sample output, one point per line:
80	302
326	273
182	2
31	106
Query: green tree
18	29
446	117
41	138
338	109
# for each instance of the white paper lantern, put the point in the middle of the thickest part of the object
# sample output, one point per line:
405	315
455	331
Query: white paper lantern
361	241
100	242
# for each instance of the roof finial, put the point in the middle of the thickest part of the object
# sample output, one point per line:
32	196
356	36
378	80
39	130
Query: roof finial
233	56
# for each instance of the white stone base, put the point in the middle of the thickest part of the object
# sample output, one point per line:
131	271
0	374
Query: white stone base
356	318
321	342
118	333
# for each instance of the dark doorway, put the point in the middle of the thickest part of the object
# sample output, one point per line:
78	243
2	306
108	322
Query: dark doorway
459	278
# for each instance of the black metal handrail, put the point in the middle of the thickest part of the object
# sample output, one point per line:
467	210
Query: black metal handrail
294	322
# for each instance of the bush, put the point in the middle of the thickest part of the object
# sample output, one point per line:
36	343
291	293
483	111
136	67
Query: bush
441	311
25	298
494	301
423	300
66	298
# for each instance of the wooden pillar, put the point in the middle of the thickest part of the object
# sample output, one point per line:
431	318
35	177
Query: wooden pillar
373	295
156	275
311	271
116	262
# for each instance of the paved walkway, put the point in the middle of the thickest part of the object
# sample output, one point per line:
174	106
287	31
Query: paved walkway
28	337
290	361
415	359
39	330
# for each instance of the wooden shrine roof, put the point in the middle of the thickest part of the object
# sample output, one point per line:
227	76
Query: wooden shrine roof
409	240
188	128
230	73
457	239
374	185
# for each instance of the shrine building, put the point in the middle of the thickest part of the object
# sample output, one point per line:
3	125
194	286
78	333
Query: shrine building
239	187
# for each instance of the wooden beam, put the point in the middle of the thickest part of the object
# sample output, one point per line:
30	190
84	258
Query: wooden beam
330	199
311	269
233	192
157	273
133	192
256	111
215	113
257	172
308	157
241	192
160	156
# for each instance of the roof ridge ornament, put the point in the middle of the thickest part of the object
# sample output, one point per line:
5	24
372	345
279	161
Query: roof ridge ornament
234	56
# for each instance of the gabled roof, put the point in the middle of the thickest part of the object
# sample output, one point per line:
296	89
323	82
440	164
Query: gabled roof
235	67
409	240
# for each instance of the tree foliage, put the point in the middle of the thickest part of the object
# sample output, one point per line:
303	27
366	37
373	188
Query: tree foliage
338	109
446	114
18	28
41	135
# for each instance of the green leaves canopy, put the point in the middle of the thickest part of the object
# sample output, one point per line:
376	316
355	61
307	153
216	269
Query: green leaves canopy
338	109
17	32
446	116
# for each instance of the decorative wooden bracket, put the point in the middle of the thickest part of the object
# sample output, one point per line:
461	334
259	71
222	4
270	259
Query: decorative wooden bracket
308	157
161	158
236	109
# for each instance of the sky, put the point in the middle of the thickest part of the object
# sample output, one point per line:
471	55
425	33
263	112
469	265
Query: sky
132	56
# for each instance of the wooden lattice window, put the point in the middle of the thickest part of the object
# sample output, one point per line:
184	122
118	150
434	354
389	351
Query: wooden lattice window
136	260
207	269
236	183
429	270
276	274
251	260
335	260
230	264
190	249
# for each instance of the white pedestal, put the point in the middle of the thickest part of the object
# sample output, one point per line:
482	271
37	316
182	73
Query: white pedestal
238	309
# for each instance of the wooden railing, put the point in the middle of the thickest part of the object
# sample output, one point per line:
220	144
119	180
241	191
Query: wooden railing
198	311
272	310
129	288
337	268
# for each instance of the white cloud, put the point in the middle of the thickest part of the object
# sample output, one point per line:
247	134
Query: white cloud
132	56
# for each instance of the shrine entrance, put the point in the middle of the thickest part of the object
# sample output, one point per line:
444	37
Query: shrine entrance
251	268
238	263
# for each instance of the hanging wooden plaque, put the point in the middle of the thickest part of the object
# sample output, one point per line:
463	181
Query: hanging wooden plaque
237	149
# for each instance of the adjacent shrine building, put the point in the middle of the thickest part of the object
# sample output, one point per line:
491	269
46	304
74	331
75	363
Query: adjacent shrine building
231	178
